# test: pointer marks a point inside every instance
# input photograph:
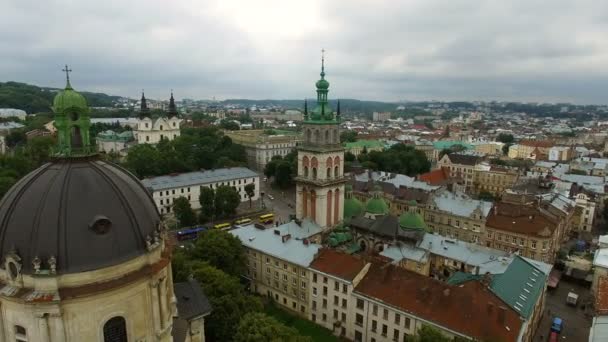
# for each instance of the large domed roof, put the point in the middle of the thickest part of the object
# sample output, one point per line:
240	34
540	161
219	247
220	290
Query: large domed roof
376	206
352	207
412	220
85	213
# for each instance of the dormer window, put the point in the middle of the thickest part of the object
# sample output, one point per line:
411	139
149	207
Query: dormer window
74	116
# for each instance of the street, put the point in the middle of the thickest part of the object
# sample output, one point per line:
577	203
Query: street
576	324
283	204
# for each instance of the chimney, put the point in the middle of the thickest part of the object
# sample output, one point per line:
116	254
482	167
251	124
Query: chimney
277	232
285	238
487	278
446	292
495	210
305	241
502	311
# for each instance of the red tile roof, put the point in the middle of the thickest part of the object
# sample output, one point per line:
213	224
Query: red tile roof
470	308
537	143
338	264
435	177
520	218
601	302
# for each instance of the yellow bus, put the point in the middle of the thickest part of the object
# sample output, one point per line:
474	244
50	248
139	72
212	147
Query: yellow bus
267	218
243	220
222	226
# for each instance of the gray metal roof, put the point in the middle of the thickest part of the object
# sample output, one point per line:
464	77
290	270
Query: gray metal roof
191	301
267	241
197	177
460	204
62	210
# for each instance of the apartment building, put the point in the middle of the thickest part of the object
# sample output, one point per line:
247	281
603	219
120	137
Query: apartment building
359	146
493	179
457	216
260	146
334	277
530	149
460	166
526	229
381	116
586	208
166	189
491	148
392	303
278	265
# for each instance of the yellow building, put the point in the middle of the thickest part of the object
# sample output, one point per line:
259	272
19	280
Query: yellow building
493	179
260	147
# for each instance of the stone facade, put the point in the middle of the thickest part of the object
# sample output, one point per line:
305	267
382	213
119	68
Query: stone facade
152	131
261	147
494	180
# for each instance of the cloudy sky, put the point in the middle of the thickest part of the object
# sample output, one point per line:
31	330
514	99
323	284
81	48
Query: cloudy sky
523	50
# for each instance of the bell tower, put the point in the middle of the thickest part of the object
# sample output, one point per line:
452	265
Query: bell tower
320	180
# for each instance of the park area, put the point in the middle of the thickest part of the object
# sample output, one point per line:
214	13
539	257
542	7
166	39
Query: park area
304	327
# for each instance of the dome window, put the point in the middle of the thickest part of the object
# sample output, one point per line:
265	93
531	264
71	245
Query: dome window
101	224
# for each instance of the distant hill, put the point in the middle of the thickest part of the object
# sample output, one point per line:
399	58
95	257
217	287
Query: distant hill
34	99
346	105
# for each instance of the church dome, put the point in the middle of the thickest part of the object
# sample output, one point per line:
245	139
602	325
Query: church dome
69	98
412	220
76	215
376	206
352	207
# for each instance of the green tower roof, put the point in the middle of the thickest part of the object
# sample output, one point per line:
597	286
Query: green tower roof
69	98
322	113
412	220
352	207
376	206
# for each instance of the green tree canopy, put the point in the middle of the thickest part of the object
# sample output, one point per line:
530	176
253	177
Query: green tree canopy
222	250
207	201
259	327
183	212
226	201
505	138
399	158
348	136
250	191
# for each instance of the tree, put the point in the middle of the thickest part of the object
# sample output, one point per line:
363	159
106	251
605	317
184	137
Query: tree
259	327
226	201
143	160
250	191
183	212
207	201
348	136
429	334
283	176
486	196
270	169
229	125
349	157
505	138
505	149
221	250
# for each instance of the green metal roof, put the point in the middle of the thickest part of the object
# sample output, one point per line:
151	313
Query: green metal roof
443	144
69	98
520	286
376	206
462	277
412	220
352	207
364	143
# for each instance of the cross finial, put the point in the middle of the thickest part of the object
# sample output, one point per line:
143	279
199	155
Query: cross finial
67	73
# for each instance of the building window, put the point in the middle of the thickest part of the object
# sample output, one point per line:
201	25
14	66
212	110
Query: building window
385	315
384	330
335	314
303	284
359	303
344	288
359	320
395	335
20	333
314	278
358	336
397	318
336	286
115	330
324	280
374	326
343	317
314	291
533	243
324	317
344	303
314	317
375	310
324	303
407	323
325	290
336	300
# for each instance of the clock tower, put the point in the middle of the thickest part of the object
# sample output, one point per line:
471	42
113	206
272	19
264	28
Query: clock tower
320	180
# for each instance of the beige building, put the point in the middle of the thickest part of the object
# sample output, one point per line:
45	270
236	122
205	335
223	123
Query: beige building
491	148
381	116
334	277
261	147
457	216
530	149
493	179
524	228
460	166
426	147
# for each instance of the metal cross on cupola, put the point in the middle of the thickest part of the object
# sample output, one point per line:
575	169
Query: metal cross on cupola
67	72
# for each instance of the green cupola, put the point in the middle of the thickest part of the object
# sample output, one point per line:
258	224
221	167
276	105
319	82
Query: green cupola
352	206
376	205
322	113
411	220
72	122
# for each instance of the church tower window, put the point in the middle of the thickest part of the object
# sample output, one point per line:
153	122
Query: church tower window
20	334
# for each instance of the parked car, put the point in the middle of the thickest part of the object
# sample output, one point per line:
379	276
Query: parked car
553	337
557	325
270	197
572	299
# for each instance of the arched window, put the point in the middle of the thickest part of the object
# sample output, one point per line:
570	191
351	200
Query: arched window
314	173
336	139
317	136
115	330
161	127
20	333
326	136
306	171
308	135
328	172
336	171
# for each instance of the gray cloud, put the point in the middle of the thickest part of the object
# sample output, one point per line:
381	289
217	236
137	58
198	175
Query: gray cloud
522	50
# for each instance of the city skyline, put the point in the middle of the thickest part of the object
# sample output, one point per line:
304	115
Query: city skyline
376	50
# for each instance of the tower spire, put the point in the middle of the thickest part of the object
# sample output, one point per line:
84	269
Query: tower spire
143	109
305	109
172	108
322	64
